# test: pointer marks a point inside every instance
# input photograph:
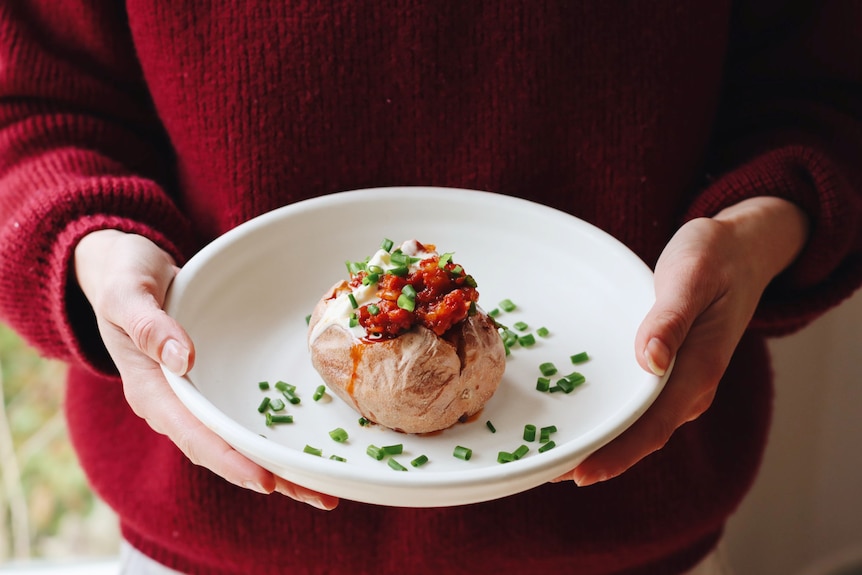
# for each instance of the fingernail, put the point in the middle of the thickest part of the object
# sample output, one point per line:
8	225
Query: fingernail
175	357
561	478
317	502
255	487
589	478
657	356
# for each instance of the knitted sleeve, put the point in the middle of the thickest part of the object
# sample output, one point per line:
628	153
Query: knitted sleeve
791	126
80	149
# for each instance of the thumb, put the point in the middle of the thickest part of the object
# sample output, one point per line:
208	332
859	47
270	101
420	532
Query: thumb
153	332
679	301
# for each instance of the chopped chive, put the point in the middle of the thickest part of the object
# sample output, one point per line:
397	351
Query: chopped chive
545	433
547	446
396	449
507	305
319	392
337	458
353	303
529	432
444	259
290	396
548	368
308	319
276	404
284	386
543	332
364	422
457	270
263	385
386	245
569	385
338	434
470	281
494	312
419	461
521	326
373	309
377	270
490	426
566	385
273	419
505	457
520	452
555	388
353	321
312	450
264	404
462	452
371	278
354	268
527	340
375	452
395	465
409	291
406	302
580	357
510	339
543	384
576	378
400	271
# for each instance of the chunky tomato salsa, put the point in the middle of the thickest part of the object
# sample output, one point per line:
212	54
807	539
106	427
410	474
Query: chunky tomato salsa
437	293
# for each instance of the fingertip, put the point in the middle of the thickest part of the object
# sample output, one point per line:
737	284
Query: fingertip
587	478
317	500
564	477
176	357
255	486
657	356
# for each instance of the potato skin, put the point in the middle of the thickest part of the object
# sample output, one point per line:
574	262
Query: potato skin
416	382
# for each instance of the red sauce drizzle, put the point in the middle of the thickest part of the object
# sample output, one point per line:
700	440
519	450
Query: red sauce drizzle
356	355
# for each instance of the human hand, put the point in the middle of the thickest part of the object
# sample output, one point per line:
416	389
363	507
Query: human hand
708	282
125	278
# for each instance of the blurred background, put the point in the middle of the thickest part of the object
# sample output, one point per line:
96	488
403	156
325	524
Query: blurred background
803	517
47	510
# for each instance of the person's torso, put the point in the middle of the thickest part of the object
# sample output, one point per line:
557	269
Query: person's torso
601	109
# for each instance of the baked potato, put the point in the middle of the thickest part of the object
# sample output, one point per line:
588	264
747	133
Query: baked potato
404	342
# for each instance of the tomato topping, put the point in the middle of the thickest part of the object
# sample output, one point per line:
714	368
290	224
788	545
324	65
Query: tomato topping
389	321
440	315
444	297
390	287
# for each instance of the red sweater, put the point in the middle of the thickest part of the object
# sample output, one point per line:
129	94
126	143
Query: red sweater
179	120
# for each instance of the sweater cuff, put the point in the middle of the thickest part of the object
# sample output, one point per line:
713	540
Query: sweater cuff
829	268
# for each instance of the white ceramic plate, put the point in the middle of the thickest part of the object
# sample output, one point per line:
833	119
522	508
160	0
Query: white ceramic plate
244	299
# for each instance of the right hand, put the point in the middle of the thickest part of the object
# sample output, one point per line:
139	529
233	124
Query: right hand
125	278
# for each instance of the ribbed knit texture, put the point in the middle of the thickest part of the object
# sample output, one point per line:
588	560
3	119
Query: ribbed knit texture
180	120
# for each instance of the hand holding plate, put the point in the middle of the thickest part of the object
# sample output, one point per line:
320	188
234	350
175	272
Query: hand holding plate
125	277
708	282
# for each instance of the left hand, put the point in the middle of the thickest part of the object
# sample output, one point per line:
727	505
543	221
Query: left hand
708	282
